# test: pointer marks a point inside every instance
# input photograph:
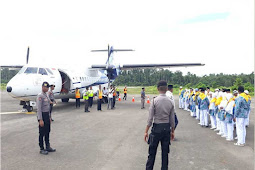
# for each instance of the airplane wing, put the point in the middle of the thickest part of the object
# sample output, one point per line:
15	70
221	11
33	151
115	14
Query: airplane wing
143	66
11	66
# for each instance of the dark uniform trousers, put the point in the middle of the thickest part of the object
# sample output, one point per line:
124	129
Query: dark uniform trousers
114	100
86	105
51	106
90	101
159	133
78	103
125	96
45	131
99	101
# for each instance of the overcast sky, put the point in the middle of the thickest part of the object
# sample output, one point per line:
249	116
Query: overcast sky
218	33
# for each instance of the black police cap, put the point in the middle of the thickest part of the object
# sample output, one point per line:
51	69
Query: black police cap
170	86
45	84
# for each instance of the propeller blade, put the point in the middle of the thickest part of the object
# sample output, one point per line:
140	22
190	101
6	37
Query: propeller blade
27	54
108	54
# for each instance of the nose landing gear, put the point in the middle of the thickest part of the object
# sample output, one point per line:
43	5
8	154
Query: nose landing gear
26	105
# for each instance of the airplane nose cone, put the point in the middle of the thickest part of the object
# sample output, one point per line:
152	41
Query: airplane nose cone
9	89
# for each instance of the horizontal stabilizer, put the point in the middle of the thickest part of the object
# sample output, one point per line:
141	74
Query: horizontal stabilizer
99	50
113	50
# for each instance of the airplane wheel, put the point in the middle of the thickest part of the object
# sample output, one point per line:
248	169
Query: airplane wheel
29	108
65	100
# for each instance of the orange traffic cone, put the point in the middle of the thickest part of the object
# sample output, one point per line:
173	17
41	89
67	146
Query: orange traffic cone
119	98
148	100
133	100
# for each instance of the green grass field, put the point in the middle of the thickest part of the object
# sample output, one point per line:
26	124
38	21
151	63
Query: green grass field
3	86
136	89
148	90
152	90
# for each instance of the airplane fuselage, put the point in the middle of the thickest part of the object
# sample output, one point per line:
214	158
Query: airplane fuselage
26	85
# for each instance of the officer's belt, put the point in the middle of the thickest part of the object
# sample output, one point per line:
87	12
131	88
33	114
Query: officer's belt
161	124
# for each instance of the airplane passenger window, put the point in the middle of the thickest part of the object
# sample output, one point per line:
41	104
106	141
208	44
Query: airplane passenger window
31	70
49	71
42	71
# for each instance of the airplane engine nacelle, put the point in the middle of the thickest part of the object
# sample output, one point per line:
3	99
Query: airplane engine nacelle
112	73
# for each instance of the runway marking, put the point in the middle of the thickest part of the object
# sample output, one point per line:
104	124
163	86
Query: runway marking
30	113
6	113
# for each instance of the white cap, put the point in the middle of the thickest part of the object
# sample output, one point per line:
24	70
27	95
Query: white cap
216	90
180	87
246	91
235	92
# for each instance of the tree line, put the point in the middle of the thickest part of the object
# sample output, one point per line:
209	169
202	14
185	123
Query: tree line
7	74
150	77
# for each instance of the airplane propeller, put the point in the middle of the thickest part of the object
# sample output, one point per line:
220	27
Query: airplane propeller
27	55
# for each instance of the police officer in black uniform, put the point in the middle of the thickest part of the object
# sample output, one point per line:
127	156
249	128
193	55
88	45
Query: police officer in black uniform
162	112
44	119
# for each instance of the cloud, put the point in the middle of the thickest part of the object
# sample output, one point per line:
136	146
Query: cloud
211	32
206	18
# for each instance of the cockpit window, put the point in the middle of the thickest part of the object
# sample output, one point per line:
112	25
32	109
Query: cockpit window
31	70
49	71
42	71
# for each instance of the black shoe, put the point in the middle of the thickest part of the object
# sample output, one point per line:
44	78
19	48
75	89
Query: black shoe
44	152
52	120
49	149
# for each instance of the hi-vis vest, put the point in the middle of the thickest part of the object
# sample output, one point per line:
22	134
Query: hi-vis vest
125	90
91	94
77	94
86	95
100	94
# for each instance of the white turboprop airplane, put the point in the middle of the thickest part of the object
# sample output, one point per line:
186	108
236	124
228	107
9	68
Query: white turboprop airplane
27	83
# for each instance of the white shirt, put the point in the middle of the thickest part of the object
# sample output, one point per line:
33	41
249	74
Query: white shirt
110	95
170	95
105	92
229	107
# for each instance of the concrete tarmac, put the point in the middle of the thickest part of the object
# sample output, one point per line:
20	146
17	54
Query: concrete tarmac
113	140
